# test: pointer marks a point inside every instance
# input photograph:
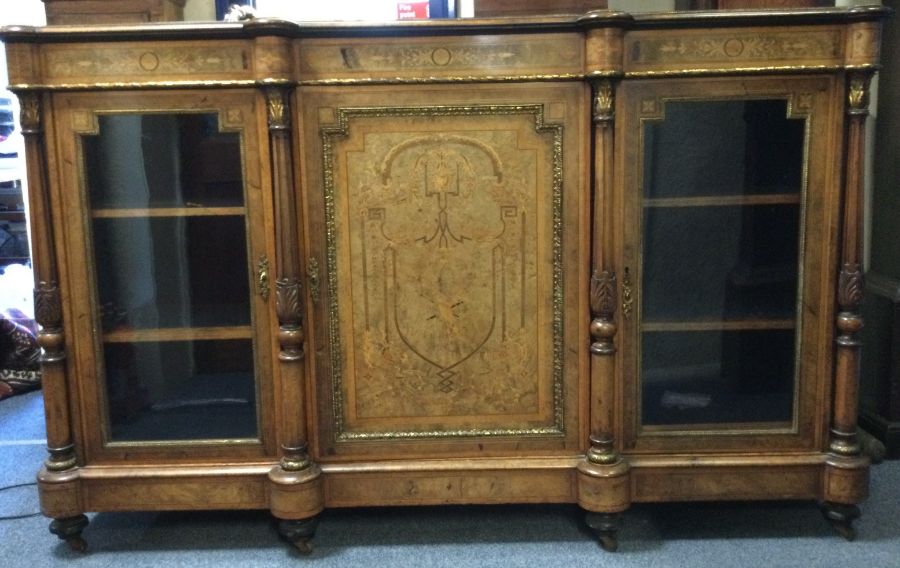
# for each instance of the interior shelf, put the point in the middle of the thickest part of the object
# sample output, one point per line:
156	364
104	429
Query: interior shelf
724	200
178	334
168	212
723	325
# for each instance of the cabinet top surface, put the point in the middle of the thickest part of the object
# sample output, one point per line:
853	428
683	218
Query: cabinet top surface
535	24
545	48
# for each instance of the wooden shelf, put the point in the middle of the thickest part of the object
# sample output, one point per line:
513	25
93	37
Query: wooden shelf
177	334
724	200
719	325
114	213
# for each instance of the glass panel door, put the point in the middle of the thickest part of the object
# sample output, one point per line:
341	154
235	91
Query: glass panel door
168	222
721	218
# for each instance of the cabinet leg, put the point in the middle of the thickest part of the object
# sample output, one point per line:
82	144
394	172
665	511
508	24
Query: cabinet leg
299	533
841	517
69	529
606	527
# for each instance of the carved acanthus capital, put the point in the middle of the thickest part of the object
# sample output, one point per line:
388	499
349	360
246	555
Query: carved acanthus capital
603	307
858	93
48	305
603	101
287	301
48	313
30	112
277	109
850	288
287	306
603	294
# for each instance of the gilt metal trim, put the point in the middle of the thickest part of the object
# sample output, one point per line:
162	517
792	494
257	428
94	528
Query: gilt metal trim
277	111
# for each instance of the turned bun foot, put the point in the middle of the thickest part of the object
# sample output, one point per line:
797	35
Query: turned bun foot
299	533
69	530
606	527
841	517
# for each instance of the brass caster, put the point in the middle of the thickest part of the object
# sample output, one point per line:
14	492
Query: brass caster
69	530
77	544
608	542
841	517
303	546
299	533
606	527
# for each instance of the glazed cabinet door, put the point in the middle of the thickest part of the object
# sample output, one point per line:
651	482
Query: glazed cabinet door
447	263
163	220
729	230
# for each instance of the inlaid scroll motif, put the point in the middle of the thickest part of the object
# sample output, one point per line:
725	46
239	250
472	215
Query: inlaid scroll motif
445	286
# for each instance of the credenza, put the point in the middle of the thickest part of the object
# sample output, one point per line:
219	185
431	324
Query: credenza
601	259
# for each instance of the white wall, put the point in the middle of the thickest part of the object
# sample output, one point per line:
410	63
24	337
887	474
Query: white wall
199	10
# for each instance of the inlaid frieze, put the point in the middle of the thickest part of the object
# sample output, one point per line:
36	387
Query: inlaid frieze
490	55
699	50
448	272
75	63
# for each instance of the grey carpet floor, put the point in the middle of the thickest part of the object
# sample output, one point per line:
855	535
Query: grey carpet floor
709	534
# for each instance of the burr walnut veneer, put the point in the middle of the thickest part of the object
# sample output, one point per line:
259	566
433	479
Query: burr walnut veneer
597	260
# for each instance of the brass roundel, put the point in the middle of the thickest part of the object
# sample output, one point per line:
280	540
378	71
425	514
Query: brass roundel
149	61
441	56
733	47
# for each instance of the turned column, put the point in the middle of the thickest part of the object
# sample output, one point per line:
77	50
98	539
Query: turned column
296	495
58	477
603	488
846	478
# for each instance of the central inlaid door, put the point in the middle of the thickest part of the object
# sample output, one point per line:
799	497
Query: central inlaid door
446	229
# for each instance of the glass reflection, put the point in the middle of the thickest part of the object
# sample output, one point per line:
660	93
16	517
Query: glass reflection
171	272
722	185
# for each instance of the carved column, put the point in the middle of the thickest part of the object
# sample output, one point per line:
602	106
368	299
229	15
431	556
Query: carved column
603	487
844	439
296	493
58	479
603	295
846	481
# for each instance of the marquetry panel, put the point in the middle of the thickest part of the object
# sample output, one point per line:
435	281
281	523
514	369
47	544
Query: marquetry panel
445	268
706	51
165	494
130	62
408	488
421	59
444	215
709	483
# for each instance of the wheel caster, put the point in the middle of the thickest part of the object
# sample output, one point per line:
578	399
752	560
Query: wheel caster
608	542
77	544
841	517
606	527
69	530
299	533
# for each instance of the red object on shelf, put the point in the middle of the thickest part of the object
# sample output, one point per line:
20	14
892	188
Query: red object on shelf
412	10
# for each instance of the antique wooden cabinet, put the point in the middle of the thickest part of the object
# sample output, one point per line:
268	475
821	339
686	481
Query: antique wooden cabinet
597	260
